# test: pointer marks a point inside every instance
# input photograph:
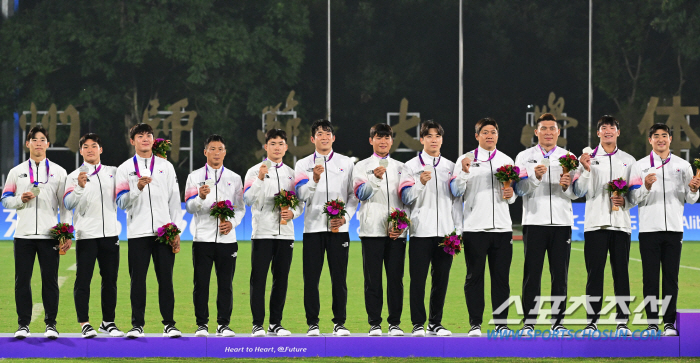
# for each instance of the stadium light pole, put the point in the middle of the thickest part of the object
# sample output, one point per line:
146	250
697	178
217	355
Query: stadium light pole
460	147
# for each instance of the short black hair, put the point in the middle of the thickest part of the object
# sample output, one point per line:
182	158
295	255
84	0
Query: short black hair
430	124
486	121
657	127
275	133
325	125
35	130
90	136
382	130
546	117
213	138
608	120
140	129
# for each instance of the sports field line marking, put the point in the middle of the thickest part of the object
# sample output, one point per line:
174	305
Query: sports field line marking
73	267
38	308
638	260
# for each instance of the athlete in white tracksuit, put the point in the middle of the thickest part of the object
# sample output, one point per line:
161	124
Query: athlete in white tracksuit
661	185
376	181
487	227
36	215
321	177
425	187
148	191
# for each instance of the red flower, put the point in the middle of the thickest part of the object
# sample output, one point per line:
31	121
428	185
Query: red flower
64	229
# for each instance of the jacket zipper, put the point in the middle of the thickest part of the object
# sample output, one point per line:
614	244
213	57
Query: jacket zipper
216	196
150	204
36	204
663	179
325	169
611	178
437	203
279	190
102	202
551	218
493	202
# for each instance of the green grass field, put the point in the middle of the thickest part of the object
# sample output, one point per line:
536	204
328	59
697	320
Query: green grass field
455	317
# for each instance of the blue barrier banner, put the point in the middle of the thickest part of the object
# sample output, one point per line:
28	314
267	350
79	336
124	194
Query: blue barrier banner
691	224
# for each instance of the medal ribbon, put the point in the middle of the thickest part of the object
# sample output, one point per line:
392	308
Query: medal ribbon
136	165
31	173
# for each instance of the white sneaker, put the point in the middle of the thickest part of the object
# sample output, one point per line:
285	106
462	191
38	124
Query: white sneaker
670	330
590	329
559	330
258	331
88	331
170	331
475	331
51	331
375	331
418	331
224	331
22	332
111	329
135	332
313	331
395	331
340	330
439	330
279	330
202	331
623	330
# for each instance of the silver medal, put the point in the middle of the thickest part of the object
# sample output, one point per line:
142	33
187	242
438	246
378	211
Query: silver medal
210	182
384	163
587	150
83	168
427	168
469	156
267	163
545	162
318	161
36	190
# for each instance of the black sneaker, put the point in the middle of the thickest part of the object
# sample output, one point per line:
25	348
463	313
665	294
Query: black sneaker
88	331
418	330
670	330
503	330
278	330
224	331
559	330
22	332
202	330
653	329
51	331
313	331
170	331
135	332
439	330
395	331
623	330
528	329
340	330
475	331
590	328
375	331
257	331
111	329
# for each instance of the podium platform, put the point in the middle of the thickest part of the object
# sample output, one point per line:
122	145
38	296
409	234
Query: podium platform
687	344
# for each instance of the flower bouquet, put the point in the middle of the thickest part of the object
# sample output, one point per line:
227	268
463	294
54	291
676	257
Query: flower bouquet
223	210
167	234
334	209
507	174
568	162
161	147
398	220
285	200
696	163
617	187
452	244
62	232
